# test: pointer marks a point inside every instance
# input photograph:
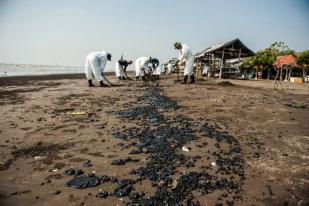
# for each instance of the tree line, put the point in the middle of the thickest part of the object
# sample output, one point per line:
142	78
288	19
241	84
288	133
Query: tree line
265	59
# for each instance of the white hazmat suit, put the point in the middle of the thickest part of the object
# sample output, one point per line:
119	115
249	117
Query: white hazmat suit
205	70
158	70
118	70
95	64
141	63
186	55
169	68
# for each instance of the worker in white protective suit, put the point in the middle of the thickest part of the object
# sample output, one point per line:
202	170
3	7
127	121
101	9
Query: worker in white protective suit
205	70
169	68
186	55
95	65
156	69
157	72
121	69
141	64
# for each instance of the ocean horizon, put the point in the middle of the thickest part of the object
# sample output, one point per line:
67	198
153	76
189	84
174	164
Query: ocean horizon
7	70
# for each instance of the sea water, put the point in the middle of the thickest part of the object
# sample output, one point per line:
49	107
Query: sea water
27	69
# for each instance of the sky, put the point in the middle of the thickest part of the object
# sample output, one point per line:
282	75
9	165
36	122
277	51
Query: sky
63	32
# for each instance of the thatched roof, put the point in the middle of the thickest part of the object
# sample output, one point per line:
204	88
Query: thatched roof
231	50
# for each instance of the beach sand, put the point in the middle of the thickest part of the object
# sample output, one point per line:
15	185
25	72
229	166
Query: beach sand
54	122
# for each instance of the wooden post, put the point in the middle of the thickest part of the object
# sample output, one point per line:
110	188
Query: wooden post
177	67
209	63
245	73
201	68
239	56
197	68
221	66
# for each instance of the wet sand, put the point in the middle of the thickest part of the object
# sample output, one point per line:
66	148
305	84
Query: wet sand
55	122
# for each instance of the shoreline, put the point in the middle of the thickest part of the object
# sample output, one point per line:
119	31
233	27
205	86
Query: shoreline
26	79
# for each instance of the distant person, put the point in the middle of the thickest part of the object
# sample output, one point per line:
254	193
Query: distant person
141	64
186	55
205	70
169	68
156	70
121	68
95	65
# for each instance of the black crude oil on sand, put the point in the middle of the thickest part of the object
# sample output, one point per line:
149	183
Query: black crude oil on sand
155	143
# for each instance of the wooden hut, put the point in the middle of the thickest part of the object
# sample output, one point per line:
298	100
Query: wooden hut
234	49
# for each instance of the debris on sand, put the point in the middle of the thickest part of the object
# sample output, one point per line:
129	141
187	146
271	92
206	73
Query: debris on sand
121	192
41	149
136	195
164	141
78	113
120	135
102	194
21	192
124	161
6	165
87	163
72	171
185	149
36	151
136	151
163	144
297	106
84	181
147	112
124	188
101	126
37	157
225	83
57	192
155	100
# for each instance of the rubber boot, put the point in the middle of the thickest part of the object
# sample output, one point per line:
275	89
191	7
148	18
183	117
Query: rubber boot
192	77
119	78
137	78
90	83
102	84
143	78
185	79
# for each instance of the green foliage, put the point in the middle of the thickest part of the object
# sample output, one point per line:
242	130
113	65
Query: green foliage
248	62
280	49
303	59
265	58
